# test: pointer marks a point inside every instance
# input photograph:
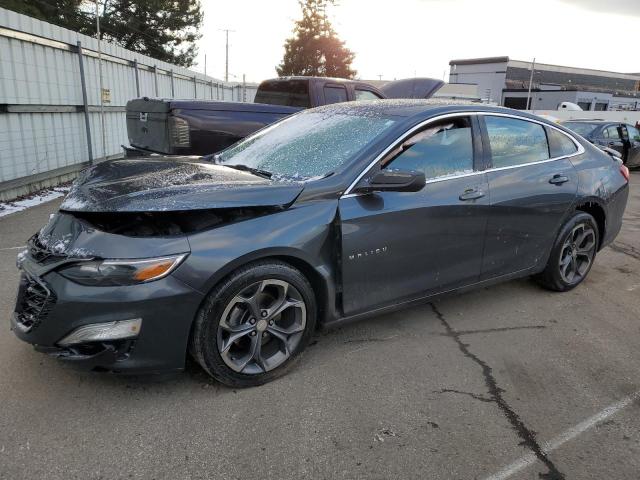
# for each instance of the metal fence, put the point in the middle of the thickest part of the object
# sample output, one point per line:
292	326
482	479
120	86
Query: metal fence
43	134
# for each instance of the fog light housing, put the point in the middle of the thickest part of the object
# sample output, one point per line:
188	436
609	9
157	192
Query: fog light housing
102	332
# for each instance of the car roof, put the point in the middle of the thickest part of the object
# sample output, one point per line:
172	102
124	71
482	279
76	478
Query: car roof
418	109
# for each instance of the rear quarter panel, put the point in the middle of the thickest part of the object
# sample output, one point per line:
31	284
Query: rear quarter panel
600	182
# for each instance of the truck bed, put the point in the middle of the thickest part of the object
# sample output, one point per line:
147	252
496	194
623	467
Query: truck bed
195	127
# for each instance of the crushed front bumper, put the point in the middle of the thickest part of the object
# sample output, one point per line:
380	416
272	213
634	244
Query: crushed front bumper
49	307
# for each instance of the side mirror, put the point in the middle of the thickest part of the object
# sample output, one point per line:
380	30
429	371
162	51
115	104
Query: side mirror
393	181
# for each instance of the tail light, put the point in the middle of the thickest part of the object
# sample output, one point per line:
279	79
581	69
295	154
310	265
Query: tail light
625	172
179	132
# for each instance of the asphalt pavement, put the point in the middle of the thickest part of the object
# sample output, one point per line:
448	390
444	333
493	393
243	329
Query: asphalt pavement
510	381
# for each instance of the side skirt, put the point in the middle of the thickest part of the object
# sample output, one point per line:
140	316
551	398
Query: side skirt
337	322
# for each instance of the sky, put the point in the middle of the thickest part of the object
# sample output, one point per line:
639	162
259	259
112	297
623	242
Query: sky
406	38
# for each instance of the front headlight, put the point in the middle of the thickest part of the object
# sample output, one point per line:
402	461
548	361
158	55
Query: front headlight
110	273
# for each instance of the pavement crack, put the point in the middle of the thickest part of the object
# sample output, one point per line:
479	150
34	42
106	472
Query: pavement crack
368	340
500	329
527	435
626	249
475	396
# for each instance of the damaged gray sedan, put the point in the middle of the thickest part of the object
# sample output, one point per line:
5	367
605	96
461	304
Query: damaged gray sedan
330	215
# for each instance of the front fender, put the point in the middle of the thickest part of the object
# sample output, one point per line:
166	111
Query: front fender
304	232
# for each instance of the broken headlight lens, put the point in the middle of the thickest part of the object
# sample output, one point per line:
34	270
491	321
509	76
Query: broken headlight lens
110	273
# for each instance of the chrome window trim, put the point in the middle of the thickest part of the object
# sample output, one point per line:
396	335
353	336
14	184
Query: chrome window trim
580	149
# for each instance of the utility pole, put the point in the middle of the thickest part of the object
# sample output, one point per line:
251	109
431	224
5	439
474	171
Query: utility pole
244	88
226	60
205	64
380	77
104	141
533	66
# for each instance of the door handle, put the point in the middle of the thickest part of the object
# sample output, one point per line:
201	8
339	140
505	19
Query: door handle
559	179
471	194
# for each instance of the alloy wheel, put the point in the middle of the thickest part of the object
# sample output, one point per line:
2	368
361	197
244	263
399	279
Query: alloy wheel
577	253
261	326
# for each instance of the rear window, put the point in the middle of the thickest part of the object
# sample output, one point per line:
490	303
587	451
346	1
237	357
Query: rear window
581	128
366	95
334	94
290	93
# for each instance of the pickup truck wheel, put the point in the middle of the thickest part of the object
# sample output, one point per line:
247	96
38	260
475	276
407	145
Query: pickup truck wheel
572	255
253	327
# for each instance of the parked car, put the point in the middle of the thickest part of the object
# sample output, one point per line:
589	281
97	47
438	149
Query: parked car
201	127
623	138
334	214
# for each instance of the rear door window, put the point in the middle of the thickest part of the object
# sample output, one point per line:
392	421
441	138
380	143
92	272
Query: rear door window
443	149
335	94
560	144
515	142
612	132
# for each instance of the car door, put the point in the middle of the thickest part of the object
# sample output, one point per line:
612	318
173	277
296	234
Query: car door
633	152
533	184
402	245
613	138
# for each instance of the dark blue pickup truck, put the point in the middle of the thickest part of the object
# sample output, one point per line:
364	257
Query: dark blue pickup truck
201	127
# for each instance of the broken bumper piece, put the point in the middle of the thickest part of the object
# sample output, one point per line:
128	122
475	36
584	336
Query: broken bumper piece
140	328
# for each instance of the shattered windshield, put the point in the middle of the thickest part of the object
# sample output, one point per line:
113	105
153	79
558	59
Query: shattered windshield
308	145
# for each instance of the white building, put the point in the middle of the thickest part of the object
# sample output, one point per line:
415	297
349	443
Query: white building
506	81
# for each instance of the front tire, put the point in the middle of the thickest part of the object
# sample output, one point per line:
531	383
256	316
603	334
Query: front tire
572	255
254	325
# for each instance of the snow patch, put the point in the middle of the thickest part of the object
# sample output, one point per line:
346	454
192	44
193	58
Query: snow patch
7	208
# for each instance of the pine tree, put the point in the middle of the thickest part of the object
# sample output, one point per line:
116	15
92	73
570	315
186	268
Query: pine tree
315	49
162	29
65	13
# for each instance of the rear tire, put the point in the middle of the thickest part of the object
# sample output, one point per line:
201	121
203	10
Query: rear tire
254	325
572	255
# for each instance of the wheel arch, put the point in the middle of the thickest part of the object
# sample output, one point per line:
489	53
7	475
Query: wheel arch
321	276
594	208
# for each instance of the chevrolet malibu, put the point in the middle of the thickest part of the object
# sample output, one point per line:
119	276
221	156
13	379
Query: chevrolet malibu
330	215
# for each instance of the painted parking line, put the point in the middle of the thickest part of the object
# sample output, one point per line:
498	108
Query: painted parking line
13	248
565	437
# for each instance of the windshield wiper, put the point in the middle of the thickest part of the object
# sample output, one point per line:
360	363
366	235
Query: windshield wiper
247	168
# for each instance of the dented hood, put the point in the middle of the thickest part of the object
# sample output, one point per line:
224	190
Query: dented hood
173	184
